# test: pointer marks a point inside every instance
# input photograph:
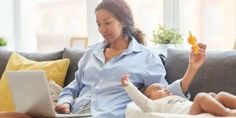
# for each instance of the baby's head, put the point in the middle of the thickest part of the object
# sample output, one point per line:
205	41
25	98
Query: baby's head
156	91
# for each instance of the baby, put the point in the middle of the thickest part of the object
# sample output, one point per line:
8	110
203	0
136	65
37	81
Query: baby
159	99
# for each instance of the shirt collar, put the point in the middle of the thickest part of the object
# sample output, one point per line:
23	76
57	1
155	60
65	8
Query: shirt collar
134	46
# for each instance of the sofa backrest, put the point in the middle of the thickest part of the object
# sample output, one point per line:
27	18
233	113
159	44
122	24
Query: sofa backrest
217	74
73	54
4	56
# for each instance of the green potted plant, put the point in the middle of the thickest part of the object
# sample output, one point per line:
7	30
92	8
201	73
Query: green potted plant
165	35
164	38
3	42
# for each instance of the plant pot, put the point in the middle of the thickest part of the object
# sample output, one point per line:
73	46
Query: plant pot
3	47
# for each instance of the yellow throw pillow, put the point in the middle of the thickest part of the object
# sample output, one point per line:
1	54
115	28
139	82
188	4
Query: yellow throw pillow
55	70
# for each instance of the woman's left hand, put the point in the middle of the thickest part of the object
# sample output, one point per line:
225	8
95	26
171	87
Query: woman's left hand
196	60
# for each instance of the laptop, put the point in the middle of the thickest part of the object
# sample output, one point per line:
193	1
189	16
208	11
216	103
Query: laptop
31	94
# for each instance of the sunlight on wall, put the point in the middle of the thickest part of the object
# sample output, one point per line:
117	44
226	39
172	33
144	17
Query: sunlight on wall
212	21
148	15
58	22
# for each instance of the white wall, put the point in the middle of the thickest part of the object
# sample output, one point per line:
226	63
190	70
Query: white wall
93	34
7	22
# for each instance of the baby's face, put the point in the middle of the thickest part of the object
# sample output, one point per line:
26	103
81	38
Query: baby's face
156	91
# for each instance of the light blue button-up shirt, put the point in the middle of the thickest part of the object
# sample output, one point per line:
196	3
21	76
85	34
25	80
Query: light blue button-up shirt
100	82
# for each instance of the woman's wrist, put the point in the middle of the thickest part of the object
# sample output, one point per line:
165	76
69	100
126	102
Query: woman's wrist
187	79
193	68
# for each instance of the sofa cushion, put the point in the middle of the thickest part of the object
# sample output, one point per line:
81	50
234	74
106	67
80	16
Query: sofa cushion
4	56
216	74
45	56
55	70
74	55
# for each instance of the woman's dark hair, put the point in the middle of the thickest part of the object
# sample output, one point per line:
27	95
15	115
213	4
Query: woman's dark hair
121	11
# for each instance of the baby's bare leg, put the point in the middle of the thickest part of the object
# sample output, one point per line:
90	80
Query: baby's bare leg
196	108
227	99
205	103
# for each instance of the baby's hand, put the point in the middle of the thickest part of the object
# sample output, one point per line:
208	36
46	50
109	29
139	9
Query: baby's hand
125	80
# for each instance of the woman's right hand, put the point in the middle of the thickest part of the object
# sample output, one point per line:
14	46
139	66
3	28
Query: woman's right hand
63	108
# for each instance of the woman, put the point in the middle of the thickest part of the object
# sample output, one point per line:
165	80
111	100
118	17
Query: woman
97	83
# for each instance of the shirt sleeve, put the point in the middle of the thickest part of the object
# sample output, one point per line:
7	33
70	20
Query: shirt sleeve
141	100
154	70
72	90
176	89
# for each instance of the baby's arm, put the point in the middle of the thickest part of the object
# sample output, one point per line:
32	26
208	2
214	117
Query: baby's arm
141	100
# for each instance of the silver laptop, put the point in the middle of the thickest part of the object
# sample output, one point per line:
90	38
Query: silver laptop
31	94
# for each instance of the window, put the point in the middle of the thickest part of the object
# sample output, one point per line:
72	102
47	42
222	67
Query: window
211	21
148	14
52	23
58	21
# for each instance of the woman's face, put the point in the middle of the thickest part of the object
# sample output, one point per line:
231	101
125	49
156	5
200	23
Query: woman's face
109	27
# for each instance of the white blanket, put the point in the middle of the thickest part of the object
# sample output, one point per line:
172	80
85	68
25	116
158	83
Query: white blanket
133	111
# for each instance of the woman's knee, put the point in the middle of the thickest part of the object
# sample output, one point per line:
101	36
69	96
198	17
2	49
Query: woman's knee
13	115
